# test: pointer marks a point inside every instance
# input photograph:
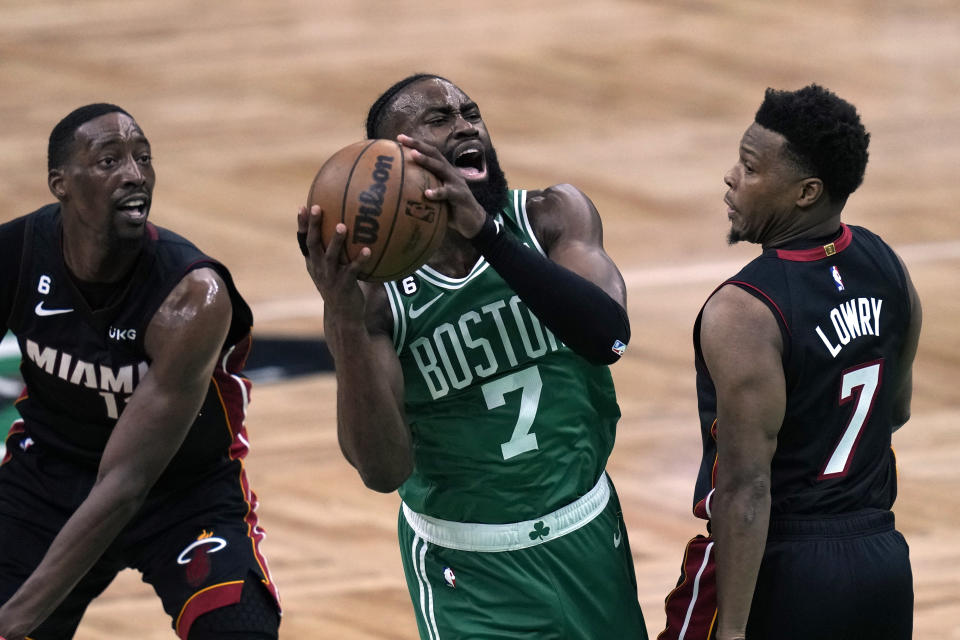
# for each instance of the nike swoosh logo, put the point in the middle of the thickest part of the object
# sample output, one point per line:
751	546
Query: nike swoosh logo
617	537
417	312
40	311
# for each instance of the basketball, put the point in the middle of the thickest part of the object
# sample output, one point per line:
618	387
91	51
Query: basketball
376	189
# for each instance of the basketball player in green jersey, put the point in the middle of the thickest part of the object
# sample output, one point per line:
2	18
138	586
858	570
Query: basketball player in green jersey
479	388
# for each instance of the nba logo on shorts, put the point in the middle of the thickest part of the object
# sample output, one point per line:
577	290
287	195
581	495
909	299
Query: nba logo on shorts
449	577
836	277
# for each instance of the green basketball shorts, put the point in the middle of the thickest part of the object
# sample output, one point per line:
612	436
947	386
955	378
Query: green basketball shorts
568	575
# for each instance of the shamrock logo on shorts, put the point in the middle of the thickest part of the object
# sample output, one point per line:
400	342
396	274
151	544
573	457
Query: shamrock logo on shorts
539	531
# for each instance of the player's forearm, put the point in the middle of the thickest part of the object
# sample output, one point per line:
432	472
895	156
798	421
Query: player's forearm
373	437
741	517
147	435
597	329
371	428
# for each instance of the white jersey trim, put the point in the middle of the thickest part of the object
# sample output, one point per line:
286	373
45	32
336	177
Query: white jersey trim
399	318
493	538
436	278
520	206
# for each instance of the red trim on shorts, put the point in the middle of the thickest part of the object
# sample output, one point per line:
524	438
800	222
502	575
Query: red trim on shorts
691	608
234	392
233	389
818	253
205	601
700	509
256	534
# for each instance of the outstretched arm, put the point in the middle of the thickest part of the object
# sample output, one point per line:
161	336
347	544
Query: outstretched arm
742	348
371	424
183	340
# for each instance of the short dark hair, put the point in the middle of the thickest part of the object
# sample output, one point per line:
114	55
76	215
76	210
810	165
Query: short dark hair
62	134
824	135
378	110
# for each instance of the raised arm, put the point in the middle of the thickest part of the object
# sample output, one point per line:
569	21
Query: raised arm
568	225
575	274
183	340
742	347
371	425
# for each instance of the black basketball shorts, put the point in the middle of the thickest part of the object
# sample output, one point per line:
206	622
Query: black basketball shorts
825	577
195	545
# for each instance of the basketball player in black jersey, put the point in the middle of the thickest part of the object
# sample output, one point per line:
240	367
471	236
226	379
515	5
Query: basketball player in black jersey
803	366
130	448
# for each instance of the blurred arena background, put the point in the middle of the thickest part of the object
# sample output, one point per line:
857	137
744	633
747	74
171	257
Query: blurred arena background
641	103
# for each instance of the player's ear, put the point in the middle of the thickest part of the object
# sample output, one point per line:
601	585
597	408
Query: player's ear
56	183
811	190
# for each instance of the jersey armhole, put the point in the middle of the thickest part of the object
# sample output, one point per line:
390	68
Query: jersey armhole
778	313
13	316
396	311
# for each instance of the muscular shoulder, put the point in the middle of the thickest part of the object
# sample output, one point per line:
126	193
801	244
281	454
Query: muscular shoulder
734	321
11	241
11	250
201	287
198	304
562	211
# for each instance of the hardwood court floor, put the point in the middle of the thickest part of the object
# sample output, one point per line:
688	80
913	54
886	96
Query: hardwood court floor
639	103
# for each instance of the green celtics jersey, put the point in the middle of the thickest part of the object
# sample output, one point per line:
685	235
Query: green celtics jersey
508	423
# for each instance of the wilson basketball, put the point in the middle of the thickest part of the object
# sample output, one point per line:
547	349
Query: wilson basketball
376	189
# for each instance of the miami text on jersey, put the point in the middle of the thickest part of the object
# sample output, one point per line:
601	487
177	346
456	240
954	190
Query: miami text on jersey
851	320
107	380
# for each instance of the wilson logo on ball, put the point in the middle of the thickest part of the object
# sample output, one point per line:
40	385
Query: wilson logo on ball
367	223
376	189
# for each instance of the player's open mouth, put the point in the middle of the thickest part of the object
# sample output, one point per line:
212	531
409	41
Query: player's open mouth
471	163
134	208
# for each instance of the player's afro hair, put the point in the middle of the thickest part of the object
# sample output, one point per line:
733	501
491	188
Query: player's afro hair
378	110
824	135
62	134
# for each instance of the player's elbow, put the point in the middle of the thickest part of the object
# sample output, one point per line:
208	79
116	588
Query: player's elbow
383	476
899	418
125	493
377	474
610	342
743	492
385	480
605	345
608	356
600	351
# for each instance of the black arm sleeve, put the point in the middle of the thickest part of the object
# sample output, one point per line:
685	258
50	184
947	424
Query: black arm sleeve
577	311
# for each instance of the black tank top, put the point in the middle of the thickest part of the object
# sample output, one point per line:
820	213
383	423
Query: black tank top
843	310
82	364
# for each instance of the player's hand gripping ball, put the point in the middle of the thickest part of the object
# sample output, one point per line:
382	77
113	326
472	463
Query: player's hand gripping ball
376	189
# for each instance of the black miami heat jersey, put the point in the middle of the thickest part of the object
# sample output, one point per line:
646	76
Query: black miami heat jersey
843	309
80	364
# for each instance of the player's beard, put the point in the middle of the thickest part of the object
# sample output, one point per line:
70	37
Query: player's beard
492	192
